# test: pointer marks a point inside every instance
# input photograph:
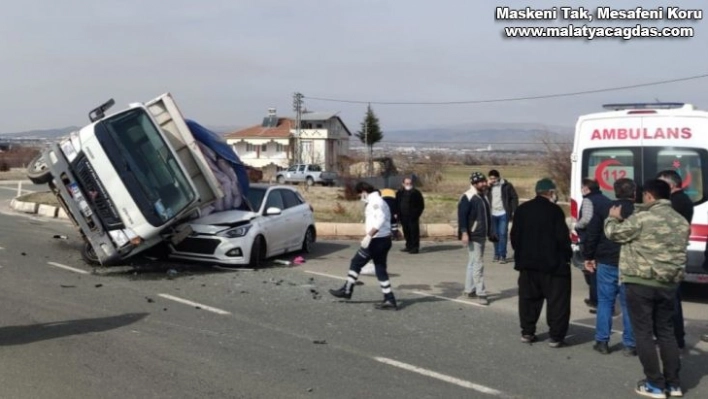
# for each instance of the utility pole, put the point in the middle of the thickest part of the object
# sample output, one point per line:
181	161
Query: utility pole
366	143
297	107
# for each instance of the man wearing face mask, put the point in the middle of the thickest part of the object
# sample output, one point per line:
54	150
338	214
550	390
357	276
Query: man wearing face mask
410	206
375	246
475	225
542	252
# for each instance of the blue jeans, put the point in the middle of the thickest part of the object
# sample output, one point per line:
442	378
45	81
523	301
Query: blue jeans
501	226
608	288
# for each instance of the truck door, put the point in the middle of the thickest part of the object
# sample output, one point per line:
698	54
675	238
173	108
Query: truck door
170	119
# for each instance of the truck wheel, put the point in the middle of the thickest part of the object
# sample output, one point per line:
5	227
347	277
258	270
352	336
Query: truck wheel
89	255
310	181
38	172
281	179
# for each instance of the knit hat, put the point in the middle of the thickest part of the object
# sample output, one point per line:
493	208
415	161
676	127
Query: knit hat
477	177
545	184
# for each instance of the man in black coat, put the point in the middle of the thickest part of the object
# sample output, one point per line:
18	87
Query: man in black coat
503	199
542	252
410	207
682	204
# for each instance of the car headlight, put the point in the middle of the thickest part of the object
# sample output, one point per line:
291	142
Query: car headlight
123	237
238	231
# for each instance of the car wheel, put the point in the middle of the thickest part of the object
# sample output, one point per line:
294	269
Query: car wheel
310	181
89	255
281	179
38	172
258	252
309	240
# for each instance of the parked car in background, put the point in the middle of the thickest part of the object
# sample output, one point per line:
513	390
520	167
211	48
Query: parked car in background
306	173
281	222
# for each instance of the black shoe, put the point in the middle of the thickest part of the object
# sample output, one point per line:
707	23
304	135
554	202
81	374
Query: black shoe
590	303
414	251
386	305
601	347
528	338
629	351
553	343
342	292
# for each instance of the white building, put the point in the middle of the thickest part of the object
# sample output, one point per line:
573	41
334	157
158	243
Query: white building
323	136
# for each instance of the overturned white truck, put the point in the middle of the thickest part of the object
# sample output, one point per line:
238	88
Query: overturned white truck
129	180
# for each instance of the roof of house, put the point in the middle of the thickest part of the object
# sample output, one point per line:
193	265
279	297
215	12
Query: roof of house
285	125
282	130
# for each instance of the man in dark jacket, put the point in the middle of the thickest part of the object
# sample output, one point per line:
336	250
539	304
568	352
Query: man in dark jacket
410	207
682	204
542	252
602	259
592	199
475	227
504	201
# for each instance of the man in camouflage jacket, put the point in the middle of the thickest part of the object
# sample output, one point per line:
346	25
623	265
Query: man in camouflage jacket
652	259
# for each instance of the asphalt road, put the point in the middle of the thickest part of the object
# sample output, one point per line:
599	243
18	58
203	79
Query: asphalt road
171	330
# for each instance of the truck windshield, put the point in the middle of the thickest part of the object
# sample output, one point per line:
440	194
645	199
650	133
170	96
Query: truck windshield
146	165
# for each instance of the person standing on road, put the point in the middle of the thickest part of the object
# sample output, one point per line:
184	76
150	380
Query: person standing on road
504	201
474	228
602	258
411	206
682	204
592	199
652	260
375	246
542	252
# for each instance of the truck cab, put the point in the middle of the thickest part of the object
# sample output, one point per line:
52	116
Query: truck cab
128	178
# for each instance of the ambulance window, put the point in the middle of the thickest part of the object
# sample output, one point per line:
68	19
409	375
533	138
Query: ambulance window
606	165
688	162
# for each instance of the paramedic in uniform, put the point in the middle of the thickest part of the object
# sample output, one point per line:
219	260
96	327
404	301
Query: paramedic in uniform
375	246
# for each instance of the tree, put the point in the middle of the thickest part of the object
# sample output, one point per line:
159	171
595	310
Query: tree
370	132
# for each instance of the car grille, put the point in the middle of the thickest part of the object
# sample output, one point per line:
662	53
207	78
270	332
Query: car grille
96	194
205	246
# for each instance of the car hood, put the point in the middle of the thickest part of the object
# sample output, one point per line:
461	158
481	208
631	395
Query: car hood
220	221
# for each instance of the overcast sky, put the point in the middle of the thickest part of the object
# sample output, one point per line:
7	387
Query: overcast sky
227	61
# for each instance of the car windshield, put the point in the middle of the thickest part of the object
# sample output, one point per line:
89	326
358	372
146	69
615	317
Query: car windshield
146	165
255	197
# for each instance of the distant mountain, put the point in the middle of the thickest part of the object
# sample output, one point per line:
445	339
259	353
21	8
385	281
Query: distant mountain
43	134
500	135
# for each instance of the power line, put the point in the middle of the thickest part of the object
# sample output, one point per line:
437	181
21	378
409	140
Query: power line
510	99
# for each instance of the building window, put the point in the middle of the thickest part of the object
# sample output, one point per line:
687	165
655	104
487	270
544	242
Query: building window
264	147
319	126
281	148
250	147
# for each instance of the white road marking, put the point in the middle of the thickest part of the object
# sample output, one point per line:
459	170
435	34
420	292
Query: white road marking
441	377
69	268
15	189
195	304
326	275
2	249
450	299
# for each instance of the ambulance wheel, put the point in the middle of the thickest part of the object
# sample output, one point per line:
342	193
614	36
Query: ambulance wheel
38	171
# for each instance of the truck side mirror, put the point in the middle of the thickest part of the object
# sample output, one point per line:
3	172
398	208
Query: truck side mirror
100	112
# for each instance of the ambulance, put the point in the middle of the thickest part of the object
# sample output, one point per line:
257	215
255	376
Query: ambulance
637	141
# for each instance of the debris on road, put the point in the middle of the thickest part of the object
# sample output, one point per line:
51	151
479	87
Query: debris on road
150	300
315	293
172	273
299	260
282	262
61	237
319	342
24	254
98	285
67	286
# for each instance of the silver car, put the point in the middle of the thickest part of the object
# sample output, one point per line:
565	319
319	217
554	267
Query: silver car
281	222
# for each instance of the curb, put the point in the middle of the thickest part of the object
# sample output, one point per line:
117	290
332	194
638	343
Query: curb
323	229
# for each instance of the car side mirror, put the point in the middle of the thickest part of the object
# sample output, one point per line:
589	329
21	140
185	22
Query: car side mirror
273	211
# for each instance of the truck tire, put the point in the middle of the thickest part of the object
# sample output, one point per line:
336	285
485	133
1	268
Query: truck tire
38	172
89	255
310	181
281	179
